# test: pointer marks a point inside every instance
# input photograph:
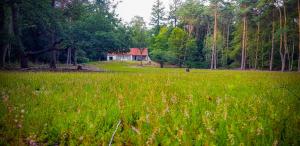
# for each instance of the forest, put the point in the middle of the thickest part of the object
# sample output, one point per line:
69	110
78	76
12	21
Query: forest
215	34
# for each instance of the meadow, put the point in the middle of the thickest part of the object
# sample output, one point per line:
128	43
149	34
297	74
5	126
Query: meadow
154	106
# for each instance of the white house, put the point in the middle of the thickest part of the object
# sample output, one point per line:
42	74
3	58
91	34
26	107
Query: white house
135	54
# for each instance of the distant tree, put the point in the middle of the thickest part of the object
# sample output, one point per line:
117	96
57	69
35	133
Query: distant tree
158	15
160	51
174	7
139	36
215	6
181	44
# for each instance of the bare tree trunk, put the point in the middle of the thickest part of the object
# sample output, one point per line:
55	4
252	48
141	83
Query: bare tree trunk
243	43
141	51
227	43
272	50
214	48
246	44
262	57
280	46
292	57
299	36
9	54
3	55
69	55
285	39
257	41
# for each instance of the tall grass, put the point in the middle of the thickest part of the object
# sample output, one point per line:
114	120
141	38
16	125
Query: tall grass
155	106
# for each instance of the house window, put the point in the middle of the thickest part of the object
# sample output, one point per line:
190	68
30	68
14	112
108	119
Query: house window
110	58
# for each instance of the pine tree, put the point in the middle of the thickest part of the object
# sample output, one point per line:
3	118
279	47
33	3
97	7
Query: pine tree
158	15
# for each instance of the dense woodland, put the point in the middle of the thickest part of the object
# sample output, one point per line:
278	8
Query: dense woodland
215	34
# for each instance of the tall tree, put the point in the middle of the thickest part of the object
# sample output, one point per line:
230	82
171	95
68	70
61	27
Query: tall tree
273	41
213	64
139	37
18	44
174	6
160	51
157	15
299	35
180	43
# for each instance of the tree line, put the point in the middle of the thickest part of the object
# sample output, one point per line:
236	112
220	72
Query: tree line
245	34
215	34
65	31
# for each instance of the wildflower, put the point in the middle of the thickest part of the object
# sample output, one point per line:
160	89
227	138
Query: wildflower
231	139
219	100
5	98
275	143
186	113
80	138
174	99
22	111
136	130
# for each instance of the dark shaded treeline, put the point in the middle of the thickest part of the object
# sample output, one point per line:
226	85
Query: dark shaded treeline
68	31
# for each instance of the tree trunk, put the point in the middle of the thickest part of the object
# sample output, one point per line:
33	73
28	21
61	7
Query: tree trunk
9	54
246	44
292	57
262	57
214	48
161	64
227	43
285	39
299	36
18	42
243	44
3	43
141	51
280	46
69	56
75	56
272	50
257	41
3	55
53	52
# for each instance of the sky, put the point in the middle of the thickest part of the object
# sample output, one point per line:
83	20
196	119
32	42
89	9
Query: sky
127	9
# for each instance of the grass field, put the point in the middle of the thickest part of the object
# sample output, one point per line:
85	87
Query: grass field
155	107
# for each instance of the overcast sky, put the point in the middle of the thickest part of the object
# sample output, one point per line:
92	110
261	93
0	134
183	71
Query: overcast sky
129	8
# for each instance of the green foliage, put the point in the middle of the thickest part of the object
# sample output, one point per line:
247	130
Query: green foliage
139	34
158	15
160	49
181	44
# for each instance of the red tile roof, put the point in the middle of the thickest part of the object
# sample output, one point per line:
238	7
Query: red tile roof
137	51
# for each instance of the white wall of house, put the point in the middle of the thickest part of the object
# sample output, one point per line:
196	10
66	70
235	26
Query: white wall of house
119	58
124	58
